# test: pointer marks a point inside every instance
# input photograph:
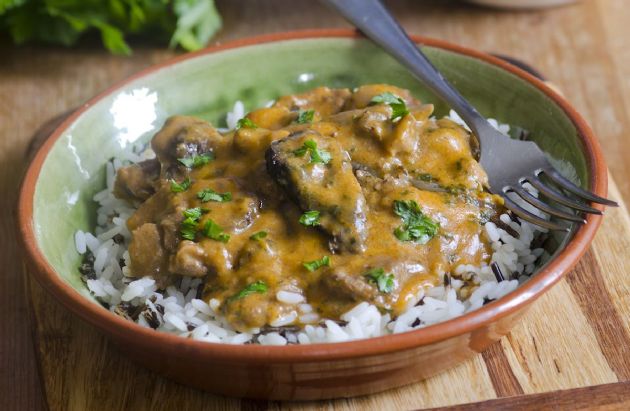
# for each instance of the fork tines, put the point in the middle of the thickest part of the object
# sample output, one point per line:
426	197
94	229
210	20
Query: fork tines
553	191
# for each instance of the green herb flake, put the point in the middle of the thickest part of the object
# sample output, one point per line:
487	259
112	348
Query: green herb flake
213	231
188	228
209	194
399	108
245	123
426	177
305	116
196	161
258	236
384	282
310	218
194	213
315	264
416	226
317	156
258	287
320	157
180	187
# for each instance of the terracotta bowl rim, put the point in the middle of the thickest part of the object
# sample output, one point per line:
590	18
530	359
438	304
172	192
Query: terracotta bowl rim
123	330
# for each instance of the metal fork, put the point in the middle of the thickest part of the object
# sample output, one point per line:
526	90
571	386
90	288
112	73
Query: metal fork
509	163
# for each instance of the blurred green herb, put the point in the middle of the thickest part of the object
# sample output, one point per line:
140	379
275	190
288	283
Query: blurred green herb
189	23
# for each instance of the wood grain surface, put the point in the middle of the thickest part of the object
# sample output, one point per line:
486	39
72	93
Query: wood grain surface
577	335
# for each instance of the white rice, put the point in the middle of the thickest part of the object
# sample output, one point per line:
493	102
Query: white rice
177	310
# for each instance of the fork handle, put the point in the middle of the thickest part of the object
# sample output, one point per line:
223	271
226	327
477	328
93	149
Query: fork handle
373	19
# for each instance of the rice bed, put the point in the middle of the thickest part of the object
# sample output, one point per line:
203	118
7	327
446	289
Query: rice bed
179	310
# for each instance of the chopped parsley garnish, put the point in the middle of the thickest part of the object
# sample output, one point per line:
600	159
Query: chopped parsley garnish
197	161
384	282
305	116
180	187
245	123
308	145
310	218
214	231
426	177
194	213
258	287
209	194
399	108
258	236
188	229
314	265
317	155
416	226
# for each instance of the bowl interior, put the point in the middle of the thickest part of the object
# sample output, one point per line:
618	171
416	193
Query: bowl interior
207	85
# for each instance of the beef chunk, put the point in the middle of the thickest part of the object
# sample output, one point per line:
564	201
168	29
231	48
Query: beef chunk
147	254
329	188
353	286
189	260
323	100
182	137
137	181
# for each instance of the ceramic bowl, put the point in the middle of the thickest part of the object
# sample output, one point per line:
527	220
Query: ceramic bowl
56	195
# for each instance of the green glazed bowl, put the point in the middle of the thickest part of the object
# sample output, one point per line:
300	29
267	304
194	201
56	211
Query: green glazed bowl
56	200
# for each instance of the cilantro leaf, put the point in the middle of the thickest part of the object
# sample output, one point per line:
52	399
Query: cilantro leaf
194	213
315	264
305	116
258	236
399	108
310	218
197	161
214	231
209	194
317	156
188	228
416	225
245	123
384	282
180	187
258	287
320	156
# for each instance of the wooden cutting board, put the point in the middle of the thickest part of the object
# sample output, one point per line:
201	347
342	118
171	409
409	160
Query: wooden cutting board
577	335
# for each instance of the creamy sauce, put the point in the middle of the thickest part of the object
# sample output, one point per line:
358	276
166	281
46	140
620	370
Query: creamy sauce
374	161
